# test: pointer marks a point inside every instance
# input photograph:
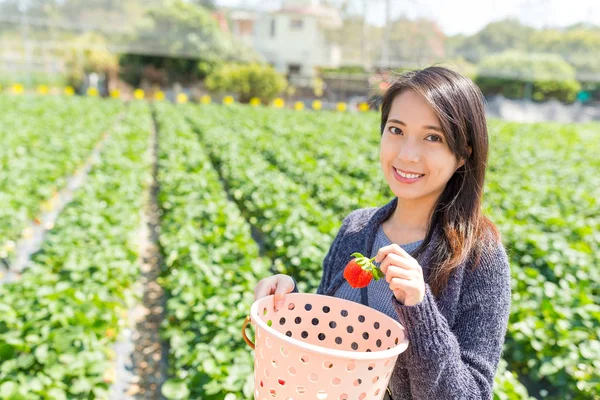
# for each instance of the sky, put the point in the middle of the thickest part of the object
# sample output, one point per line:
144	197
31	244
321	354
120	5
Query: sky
469	16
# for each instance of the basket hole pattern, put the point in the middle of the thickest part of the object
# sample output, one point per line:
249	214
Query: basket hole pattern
314	378
339	329
284	351
320	325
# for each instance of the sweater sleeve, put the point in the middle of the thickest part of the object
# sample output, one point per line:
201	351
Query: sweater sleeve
328	260
459	362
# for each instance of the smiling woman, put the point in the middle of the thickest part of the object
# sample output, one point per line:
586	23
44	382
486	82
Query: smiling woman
447	277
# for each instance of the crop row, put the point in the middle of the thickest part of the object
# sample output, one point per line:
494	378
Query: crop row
60	319
44	141
212	266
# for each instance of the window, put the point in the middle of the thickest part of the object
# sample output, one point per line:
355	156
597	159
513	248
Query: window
273	27
296	24
294	69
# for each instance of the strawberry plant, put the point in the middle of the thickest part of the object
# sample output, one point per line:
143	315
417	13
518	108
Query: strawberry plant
60	320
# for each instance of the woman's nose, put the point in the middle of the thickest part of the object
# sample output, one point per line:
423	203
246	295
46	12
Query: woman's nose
409	153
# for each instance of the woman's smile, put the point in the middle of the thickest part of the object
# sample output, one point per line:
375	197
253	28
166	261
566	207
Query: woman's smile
405	176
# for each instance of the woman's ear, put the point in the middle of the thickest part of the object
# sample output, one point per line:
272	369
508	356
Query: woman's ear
462	160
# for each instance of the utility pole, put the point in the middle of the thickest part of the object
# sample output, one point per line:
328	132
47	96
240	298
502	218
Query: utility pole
365	53
27	58
385	55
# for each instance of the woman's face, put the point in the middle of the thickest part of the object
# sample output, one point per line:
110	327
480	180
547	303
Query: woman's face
414	154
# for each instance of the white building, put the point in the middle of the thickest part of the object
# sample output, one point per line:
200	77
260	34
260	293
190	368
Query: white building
292	39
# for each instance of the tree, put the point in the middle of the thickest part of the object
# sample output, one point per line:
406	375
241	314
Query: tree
209	4
579	45
511	73
184	40
496	37
417	42
89	53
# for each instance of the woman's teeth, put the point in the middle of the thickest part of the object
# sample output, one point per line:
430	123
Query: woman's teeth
408	176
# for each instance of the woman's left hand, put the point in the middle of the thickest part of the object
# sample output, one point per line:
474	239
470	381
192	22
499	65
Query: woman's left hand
403	273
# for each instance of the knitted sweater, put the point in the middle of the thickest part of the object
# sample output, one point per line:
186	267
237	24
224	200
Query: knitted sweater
455	340
378	291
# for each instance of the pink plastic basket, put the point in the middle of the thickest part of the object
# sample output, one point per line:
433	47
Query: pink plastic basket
322	347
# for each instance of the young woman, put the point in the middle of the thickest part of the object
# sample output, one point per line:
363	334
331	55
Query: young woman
447	276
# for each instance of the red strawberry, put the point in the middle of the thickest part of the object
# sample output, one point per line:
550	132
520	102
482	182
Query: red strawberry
361	270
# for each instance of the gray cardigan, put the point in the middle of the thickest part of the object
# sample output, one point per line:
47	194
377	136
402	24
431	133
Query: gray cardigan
456	339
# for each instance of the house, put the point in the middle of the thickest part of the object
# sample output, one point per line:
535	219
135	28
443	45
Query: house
293	38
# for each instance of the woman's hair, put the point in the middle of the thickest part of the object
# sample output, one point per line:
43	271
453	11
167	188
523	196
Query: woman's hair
464	230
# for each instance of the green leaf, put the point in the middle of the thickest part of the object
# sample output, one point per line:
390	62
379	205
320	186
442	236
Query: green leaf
174	389
8	389
41	353
57	394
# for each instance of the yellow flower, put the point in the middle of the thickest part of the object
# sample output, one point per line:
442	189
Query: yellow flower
139	94
363	107
17	88
43	89
182	98
92	92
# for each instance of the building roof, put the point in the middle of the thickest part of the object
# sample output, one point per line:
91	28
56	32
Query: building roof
328	16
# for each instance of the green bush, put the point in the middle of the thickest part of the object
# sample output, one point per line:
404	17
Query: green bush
247	81
508	73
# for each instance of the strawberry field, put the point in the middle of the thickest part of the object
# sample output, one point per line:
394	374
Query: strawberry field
239	193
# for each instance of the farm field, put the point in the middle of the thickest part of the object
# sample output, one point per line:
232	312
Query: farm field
241	192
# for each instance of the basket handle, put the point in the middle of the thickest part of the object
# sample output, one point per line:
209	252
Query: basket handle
248	341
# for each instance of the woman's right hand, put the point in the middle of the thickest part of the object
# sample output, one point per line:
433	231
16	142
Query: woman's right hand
279	285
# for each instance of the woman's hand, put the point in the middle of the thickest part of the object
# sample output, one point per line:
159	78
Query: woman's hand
403	273
279	285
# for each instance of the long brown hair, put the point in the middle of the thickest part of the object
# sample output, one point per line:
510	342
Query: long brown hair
457	214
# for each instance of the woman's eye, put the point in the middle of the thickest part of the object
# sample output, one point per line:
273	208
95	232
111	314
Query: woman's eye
434	138
395	130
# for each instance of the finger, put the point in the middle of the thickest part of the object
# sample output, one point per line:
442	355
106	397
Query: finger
403	284
395	259
396	272
392	248
284	286
264	288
